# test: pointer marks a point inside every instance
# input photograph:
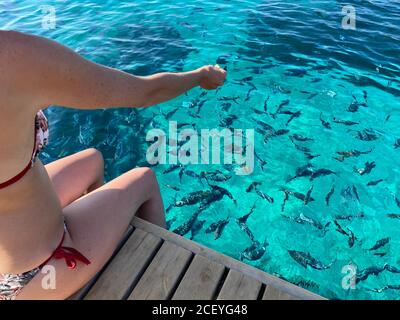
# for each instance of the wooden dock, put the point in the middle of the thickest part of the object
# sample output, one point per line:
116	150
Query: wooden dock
155	264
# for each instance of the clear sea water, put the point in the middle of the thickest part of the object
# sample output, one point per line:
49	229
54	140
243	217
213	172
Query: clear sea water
295	50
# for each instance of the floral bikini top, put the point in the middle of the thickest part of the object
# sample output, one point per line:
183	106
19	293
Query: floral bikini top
41	140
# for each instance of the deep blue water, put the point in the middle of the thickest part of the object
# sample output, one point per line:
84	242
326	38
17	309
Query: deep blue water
292	50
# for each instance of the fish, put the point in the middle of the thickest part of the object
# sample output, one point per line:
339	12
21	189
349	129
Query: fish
266	104
379	244
321	172
187	226
348	233
365	273
242	222
355	192
302	219
215	176
374	183
367	135
285	199
196	228
305	259
280	106
397	144
228	121
249	93
265	196
326	124
261	161
226	99
172	168
393	215
293	116
368	168
301	138
353	153
308	195
304	171
345	122
296	72
255	251
170	114
252	186
349	217
220	228
171	187
329	195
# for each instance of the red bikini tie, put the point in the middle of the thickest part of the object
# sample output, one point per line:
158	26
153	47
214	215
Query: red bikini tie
70	255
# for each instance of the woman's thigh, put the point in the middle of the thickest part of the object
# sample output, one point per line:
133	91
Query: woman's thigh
96	223
72	176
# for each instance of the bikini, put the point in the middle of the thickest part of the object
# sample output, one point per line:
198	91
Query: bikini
12	284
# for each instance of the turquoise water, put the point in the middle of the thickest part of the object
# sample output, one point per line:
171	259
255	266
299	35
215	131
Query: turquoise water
293	50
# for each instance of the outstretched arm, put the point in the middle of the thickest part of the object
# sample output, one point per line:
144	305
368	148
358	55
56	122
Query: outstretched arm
55	75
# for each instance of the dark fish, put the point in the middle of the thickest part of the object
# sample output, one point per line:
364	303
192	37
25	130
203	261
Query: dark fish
321	172
312	95
348	233
215	176
368	168
397	144
349	217
326	124
305	259
308	195
172	187
220	228
293	116
172	168
379	244
364	274
286	198
299	137
374	183
228	121
242	222
296	72
252	186
255	251
281	105
188	225
393	215
345	122
353	153
249	93
355	192
329	195
170	114
225	99
367	135
196	228
265	196
261	161
266	105
304	171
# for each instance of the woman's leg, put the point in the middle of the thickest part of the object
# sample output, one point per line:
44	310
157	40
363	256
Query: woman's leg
96	223
77	174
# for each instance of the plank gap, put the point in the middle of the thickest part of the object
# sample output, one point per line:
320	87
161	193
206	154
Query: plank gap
262	291
148	262
184	270
221	283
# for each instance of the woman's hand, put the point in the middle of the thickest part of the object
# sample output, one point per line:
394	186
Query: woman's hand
212	77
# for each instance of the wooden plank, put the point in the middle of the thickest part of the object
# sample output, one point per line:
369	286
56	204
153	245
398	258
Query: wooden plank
80	294
237	286
272	293
229	262
126	268
200	281
161	277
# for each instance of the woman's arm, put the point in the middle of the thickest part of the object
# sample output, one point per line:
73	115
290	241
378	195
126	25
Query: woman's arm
55	75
